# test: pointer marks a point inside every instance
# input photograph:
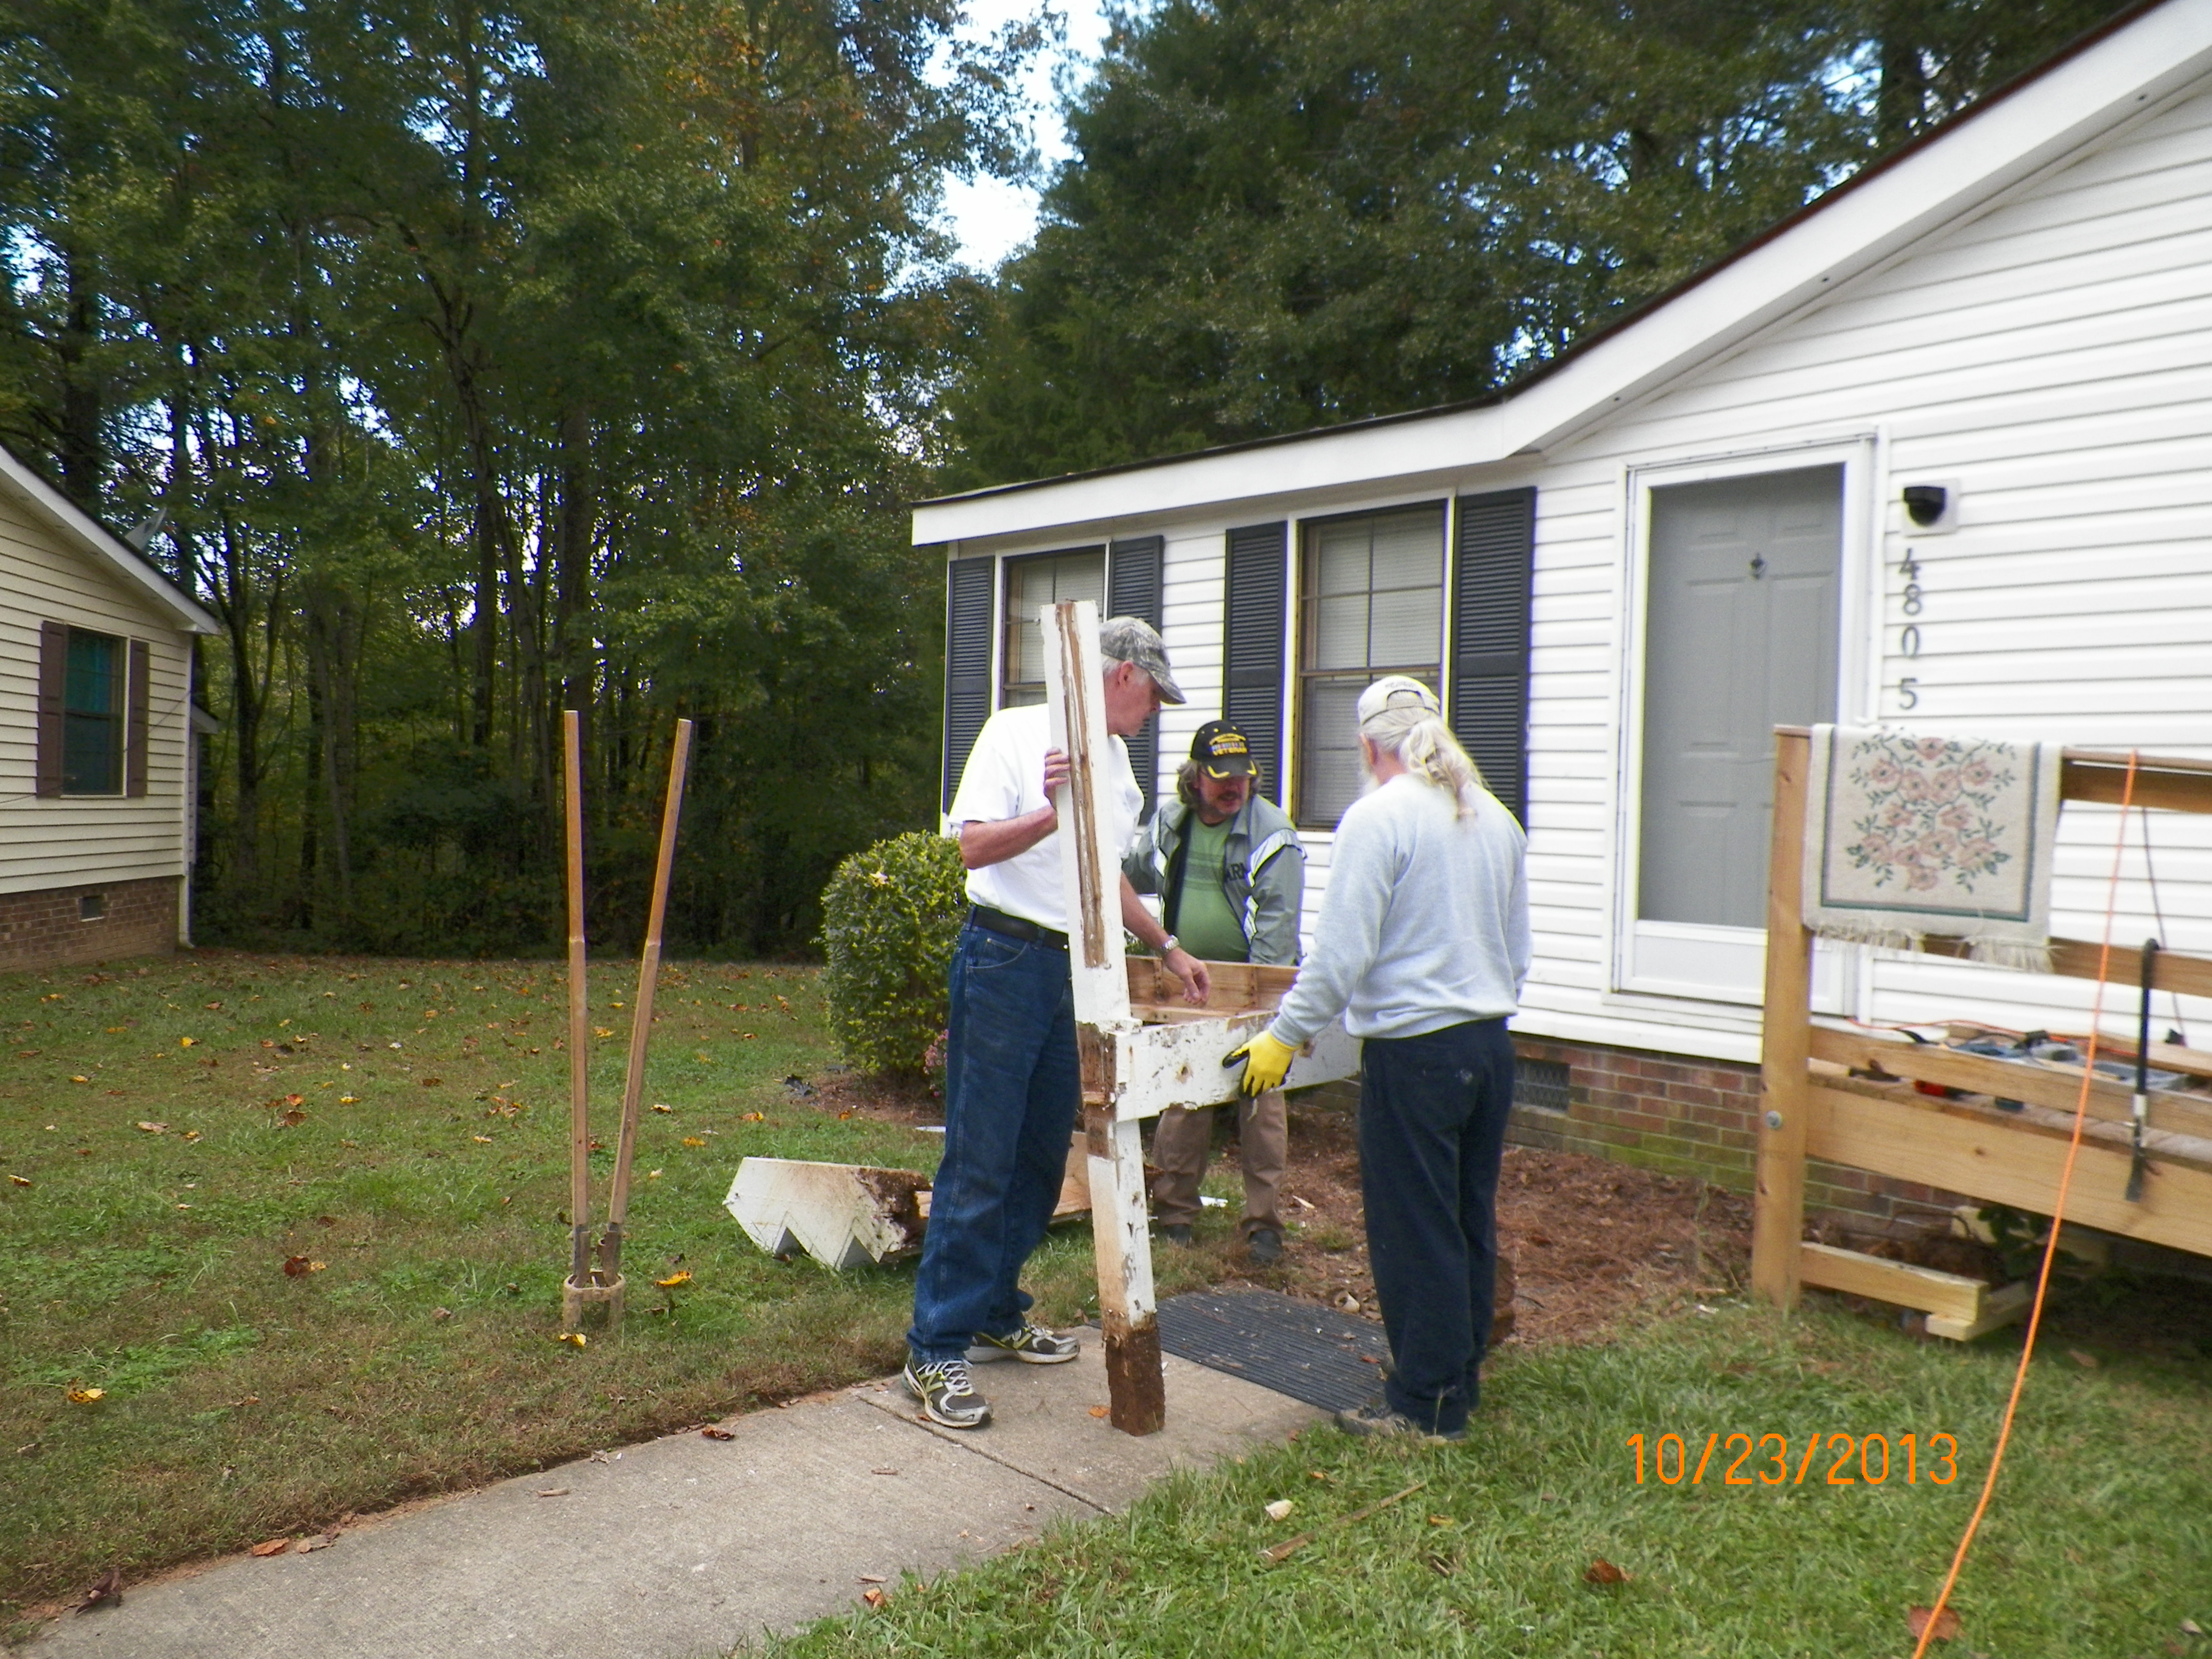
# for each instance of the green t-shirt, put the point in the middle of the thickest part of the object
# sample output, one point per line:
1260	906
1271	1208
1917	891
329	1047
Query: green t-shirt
1208	928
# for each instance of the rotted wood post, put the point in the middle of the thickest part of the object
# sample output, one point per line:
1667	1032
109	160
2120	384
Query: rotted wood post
1777	1224
1090	869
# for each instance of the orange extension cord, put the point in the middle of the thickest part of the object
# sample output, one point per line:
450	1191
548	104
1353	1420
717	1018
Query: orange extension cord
2051	1244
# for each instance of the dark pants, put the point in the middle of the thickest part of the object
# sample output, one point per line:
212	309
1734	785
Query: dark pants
1431	1132
1012	1087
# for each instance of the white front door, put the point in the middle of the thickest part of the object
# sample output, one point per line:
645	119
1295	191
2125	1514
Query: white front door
1741	632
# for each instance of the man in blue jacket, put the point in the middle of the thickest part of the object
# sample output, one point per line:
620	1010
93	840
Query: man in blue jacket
1231	874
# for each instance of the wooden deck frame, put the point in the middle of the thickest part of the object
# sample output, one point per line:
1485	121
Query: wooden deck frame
1142	1049
1876	1120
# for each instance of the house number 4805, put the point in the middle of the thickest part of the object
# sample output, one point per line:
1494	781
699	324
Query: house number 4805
1908	639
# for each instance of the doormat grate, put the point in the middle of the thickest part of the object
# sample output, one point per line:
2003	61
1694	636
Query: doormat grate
1302	1349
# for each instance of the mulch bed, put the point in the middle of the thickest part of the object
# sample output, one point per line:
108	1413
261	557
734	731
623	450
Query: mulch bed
1588	1241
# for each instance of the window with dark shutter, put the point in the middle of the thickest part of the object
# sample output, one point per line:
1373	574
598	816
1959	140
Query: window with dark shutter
967	662
134	739
1487	696
1033	582
1134	576
1252	650
54	690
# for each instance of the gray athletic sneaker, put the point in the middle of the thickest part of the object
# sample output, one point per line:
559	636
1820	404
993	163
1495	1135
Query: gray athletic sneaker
947	1395
1375	1417
1032	1345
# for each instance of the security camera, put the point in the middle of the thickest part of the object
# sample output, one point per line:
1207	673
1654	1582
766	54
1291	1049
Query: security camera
1933	508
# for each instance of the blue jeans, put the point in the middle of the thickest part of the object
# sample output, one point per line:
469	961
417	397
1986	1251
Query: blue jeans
1013	1088
1431	1135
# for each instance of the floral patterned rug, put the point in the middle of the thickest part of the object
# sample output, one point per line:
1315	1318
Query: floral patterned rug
1908	835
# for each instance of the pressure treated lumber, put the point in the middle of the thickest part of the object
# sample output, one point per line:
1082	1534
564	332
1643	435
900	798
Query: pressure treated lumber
2002	1306
1983	1156
1778	1210
2039	1082
1855	1273
2077	958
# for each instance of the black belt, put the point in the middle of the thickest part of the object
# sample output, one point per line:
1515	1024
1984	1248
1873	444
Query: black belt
997	921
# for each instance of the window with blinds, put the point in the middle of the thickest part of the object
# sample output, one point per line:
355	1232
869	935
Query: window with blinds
1045	578
1371	602
92	716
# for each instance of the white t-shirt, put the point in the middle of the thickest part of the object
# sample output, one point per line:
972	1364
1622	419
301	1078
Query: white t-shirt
1004	779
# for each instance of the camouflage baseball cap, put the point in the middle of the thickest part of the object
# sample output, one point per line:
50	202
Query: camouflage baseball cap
1131	638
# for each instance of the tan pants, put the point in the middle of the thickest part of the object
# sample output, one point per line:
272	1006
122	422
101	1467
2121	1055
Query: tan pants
1184	1140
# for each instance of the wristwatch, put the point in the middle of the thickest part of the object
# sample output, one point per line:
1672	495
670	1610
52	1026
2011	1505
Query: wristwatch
1170	943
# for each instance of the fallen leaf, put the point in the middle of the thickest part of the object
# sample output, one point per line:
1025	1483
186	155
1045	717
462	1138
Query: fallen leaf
2088	1362
872	1579
711	1432
601	1030
191	1135
554	1491
296	1100
108	1587
321	1541
1602	1571
1280	1510
155	1128
681	1276
293	1119
79	1077
348	1100
297	1266
693	1140
273	1546
441	1314
1098	1411
1946	1623
21	1180
577	1338
481	1140
657	1107
1440	1521
752	1117
81	1396
747	1037
874	1597
186	1043
2190	1627
652	1175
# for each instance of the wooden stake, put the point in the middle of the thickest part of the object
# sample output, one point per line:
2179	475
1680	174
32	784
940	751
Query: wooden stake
641	1029
580	1108
1136	1389
1778	1203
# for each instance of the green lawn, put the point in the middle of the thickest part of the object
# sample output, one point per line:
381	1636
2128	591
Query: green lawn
2098	1545
404	1126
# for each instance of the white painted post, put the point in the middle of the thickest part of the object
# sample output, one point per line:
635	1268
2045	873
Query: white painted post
1091	867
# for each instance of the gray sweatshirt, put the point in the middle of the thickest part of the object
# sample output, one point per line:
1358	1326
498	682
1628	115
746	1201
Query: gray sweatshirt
1425	923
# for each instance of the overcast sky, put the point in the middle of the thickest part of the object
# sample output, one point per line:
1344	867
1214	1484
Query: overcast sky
993	219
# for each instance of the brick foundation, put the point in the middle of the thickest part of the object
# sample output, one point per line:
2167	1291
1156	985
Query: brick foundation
50	929
1689	1117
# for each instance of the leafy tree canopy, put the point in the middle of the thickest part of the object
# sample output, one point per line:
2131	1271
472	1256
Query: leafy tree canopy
1281	214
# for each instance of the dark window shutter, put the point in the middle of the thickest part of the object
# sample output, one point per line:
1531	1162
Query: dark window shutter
1488	695
966	661
1134	589
134	733
1252	651
53	681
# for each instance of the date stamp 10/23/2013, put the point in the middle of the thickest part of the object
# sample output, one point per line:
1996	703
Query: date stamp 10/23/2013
1774	1460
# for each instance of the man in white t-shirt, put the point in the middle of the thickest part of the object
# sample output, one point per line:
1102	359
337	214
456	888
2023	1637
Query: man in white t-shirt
1012	1084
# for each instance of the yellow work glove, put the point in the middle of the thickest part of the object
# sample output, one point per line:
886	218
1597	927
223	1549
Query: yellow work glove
1266	1063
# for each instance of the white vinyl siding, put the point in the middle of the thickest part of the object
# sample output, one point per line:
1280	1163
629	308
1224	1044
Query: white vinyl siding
71	841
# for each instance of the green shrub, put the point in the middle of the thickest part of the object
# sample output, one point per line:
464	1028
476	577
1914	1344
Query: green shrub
889	917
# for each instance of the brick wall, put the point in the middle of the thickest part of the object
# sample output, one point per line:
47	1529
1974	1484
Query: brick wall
50	929
1689	1117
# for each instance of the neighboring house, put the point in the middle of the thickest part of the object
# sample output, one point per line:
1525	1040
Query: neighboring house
1694	527
97	789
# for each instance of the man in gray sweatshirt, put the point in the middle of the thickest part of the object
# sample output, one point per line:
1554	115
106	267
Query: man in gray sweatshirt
1422	944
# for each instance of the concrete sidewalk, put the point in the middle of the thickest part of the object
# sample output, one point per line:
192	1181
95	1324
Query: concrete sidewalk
686	1547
